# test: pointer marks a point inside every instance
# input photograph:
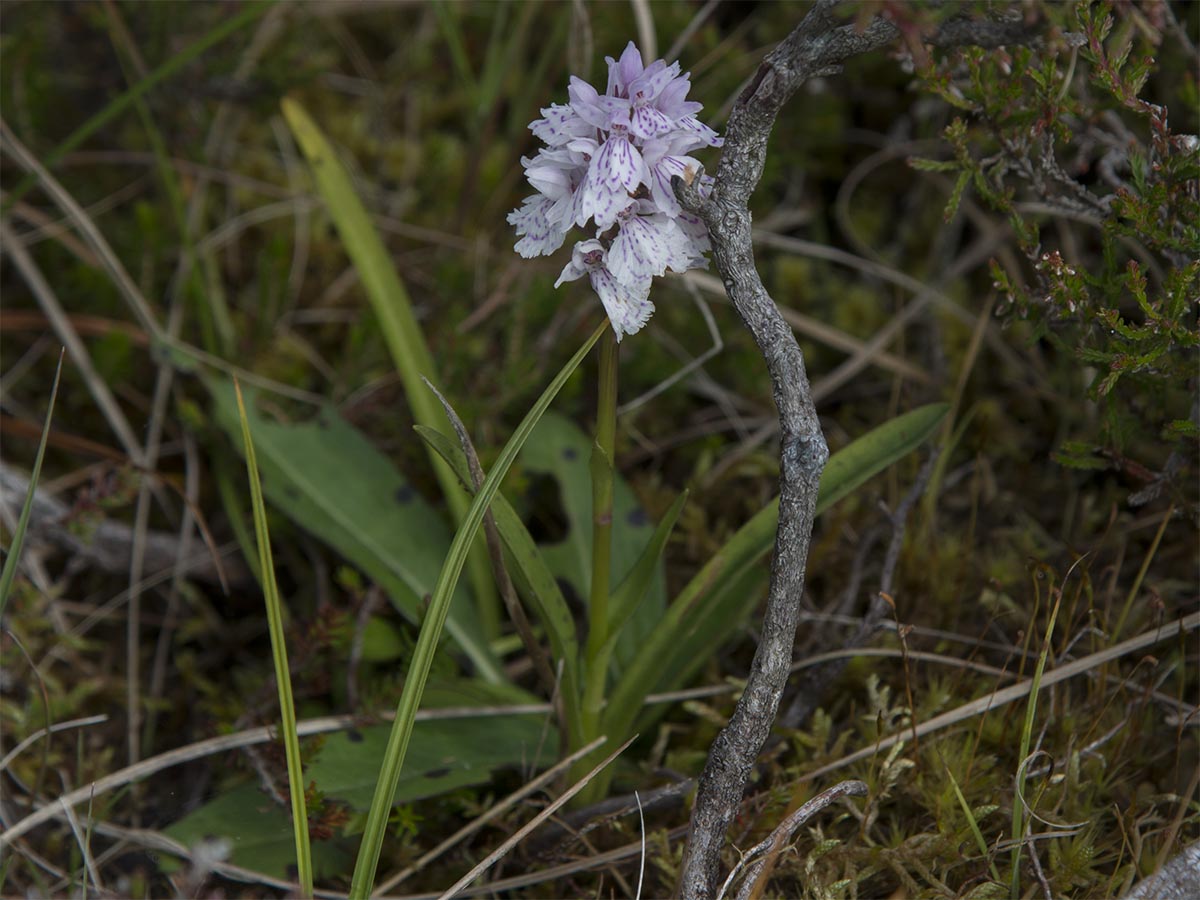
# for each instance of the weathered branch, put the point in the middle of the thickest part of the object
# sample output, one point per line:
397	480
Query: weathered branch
818	46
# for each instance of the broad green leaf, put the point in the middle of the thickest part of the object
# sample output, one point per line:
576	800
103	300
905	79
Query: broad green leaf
397	322
329	479
380	641
558	448
259	832
447	754
632	591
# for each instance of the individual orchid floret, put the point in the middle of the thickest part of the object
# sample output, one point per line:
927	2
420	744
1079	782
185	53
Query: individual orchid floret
647	245
538	236
625	302
633	93
559	174
619	163
560	125
664	159
609	159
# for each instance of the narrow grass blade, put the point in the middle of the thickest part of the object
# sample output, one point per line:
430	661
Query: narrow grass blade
531	570
454	41
177	62
974	825
532	577
1018	811
389	300
431	630
287	709
9	573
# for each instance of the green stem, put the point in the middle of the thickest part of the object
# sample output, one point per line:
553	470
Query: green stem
602	495
596	656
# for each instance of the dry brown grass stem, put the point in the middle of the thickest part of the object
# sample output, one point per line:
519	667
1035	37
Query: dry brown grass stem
494	812
1007	695
222	743
521	833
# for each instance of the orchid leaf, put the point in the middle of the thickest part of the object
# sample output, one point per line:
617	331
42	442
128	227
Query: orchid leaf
331	481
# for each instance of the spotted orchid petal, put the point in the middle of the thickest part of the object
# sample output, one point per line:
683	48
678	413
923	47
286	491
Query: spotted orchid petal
540	236
646	246
559	125
618	164
627	305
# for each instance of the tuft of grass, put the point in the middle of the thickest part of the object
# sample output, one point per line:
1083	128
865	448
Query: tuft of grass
1018	810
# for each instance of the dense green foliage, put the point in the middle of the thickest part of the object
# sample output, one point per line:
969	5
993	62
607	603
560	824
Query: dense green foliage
1013	232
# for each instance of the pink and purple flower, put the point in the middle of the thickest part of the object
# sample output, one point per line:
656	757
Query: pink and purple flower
610	159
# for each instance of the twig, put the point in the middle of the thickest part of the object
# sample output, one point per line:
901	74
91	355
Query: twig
494	812
817	47
810	696
537	820
108	547
784	830
44	732
642	859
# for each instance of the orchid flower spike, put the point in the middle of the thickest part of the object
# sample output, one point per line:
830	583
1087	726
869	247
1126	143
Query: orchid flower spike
609	159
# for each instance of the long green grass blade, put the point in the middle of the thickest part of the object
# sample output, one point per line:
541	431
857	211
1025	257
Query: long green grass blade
532	578
390	301
973	823
431	630
283	677
9	573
